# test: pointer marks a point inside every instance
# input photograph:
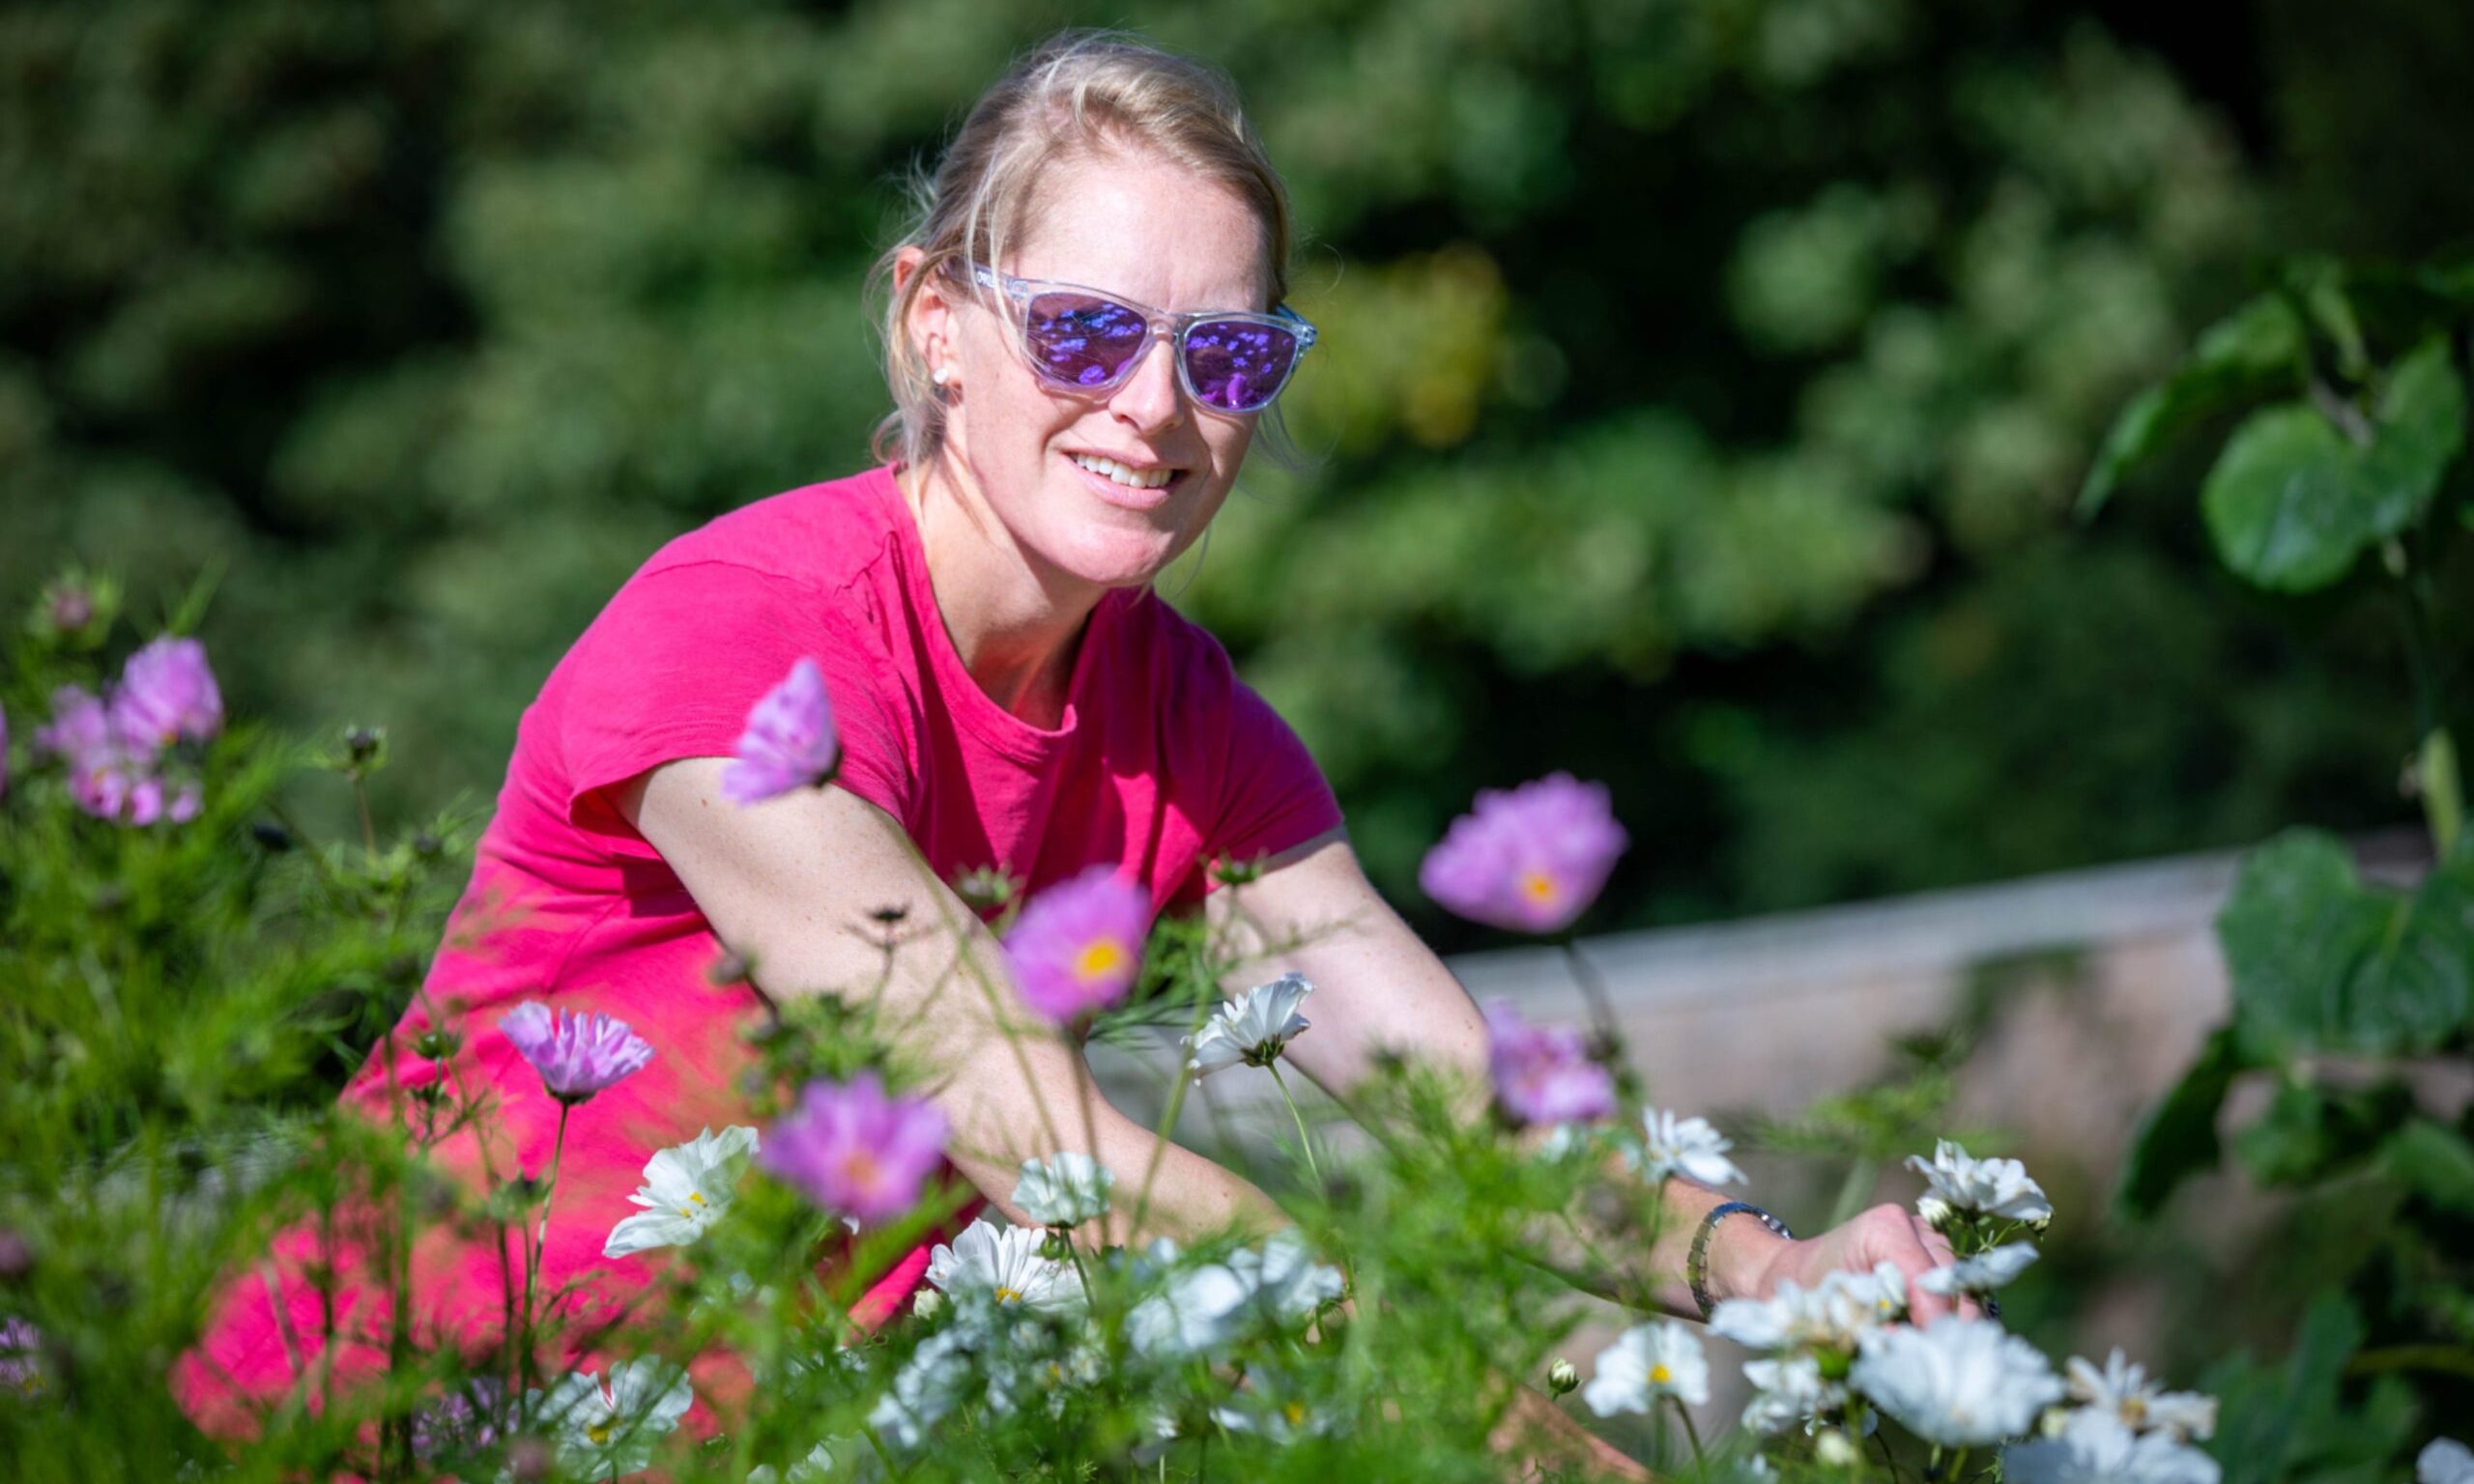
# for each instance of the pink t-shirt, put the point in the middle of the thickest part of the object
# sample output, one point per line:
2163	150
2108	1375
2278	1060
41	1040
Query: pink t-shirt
1163	761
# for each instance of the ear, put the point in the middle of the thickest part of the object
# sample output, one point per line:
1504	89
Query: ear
930	322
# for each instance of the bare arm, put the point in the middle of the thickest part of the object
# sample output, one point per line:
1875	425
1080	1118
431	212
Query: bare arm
788	883
1380	987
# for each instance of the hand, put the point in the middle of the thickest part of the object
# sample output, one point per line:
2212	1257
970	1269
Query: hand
1885	1234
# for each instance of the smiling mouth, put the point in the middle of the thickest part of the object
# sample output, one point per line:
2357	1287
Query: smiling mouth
1153	479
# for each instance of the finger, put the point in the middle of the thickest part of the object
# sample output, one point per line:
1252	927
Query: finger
1938	1248
1922	1307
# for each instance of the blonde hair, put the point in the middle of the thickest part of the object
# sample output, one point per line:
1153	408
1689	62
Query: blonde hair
1078	92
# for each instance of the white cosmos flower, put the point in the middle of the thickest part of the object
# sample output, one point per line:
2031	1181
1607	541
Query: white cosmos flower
1981	1275
852	1456
1788	1392
2123	1389
686	1190
925	1390
2445	1461
1284	1283
1835	1314
1645	1364
1211	1304
1065	1191
1253	1028
605	1430
1688	1147
1271	1404
2095	1448
1961	1383
1004	1266
1998	1188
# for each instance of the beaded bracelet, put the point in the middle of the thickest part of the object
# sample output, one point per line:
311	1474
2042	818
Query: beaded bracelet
1696	1263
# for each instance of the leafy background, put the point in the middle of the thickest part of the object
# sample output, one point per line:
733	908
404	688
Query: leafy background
1704	388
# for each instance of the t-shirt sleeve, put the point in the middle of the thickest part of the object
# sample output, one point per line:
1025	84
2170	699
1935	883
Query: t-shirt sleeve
1272	794
676	662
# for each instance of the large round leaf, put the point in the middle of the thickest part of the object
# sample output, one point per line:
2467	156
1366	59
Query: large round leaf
2422	426
2288	502
2322	963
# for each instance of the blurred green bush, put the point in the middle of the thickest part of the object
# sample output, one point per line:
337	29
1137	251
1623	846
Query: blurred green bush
1704	379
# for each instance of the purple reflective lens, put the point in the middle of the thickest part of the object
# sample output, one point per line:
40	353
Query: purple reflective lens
1082	339
1238	366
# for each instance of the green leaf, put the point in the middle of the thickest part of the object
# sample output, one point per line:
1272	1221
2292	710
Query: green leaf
2268	1416
2435	1162
2321	964
2253	349
2421	428
2312	1133
2288	502
2178	1139
2322	285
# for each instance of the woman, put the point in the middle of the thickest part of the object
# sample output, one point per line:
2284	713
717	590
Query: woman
1084	332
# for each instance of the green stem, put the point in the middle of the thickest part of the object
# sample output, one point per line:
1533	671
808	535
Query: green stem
1303	1140
1168	1116
2435	751
1691	1434
541	1238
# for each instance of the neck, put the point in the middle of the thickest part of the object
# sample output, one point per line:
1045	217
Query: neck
1016	622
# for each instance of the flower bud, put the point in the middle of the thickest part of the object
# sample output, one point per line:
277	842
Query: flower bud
1936	1212
1832	1446
435	1046
986	889
1562	1377
1234	872
364	749
926	1304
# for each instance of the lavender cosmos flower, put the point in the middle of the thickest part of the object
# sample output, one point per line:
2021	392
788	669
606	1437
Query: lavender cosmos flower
105	776
789	741
577	1055
855	1151
167	693
20	1358
1544	1074
1529	860
1077	944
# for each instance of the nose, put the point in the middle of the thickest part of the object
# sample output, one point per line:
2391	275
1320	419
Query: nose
1151	400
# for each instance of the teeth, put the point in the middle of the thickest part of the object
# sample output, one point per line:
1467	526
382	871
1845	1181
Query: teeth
1140	479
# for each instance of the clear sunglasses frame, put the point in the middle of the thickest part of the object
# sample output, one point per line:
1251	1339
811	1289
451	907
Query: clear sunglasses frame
1160	324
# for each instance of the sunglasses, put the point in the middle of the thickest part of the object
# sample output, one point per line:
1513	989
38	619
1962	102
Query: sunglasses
1084	340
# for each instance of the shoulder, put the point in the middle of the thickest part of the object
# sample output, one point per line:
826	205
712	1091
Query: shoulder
824	538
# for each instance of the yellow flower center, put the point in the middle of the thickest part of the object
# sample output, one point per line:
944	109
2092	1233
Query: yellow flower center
1659	1375
1006	1295
598	1432
1099	958
1538	886
1295	1412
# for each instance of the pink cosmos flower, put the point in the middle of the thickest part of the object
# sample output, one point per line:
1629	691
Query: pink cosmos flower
577	1055
855	1151
1544	1074
1078	945
106	778
789	741
167	693
1529	860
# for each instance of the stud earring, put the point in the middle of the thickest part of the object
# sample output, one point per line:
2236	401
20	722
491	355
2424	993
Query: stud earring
941	374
